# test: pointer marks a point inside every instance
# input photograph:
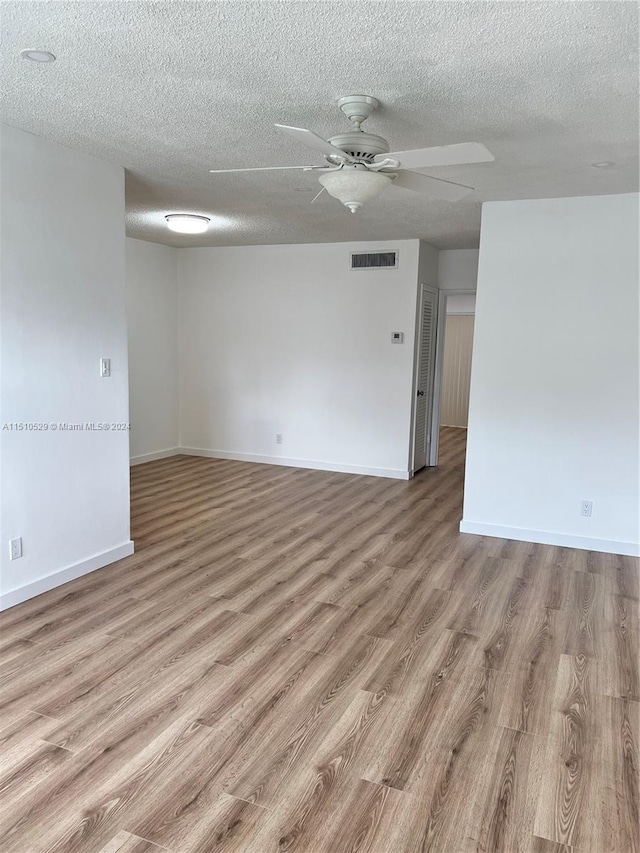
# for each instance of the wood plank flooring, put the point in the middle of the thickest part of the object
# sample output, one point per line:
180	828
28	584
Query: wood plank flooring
297	660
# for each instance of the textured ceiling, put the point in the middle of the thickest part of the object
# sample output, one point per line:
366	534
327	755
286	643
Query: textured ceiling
170	90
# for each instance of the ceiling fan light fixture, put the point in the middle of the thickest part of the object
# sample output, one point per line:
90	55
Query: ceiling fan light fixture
353	186
187	223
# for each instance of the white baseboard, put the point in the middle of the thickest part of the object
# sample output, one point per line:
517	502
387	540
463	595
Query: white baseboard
157	454
545	537
84	567
392	473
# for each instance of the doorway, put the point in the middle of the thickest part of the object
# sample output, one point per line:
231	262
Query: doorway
452	369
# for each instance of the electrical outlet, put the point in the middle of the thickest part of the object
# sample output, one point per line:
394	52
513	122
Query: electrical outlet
278	438
15	548
586	508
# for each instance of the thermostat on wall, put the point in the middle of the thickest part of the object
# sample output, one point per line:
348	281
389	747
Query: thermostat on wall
397	337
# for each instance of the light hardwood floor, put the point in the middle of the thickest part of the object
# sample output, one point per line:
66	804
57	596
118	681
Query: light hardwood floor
305	661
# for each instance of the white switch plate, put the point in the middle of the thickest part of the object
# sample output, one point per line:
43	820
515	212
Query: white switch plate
15	548
105	367
397	337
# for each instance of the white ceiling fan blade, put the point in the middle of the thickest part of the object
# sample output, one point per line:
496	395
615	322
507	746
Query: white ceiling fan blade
443	155
265	169
317	143
435	187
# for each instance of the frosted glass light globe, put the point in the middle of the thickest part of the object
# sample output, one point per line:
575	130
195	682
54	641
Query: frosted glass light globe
353	187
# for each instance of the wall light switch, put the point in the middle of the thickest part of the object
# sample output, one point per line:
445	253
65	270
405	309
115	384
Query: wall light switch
105	367
397	337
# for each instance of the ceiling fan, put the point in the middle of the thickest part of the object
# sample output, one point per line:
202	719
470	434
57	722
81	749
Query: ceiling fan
359	165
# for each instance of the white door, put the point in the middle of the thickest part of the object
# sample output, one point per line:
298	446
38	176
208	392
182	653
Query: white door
425	364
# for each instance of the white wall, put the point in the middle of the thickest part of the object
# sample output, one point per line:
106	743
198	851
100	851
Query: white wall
461	303
288	339
554	390
152	323
458	269
66	493
428	260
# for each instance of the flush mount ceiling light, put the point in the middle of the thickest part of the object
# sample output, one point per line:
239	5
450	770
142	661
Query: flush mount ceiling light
187	223
38	55
353	186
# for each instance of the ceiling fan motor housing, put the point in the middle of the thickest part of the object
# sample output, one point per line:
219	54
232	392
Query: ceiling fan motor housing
360	145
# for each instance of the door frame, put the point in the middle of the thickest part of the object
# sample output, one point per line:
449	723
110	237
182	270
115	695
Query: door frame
416	357
437	384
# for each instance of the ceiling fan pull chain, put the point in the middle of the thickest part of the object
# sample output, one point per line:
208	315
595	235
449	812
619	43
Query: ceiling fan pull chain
317	195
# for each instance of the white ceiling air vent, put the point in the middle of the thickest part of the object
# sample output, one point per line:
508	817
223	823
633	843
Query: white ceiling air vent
374	260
